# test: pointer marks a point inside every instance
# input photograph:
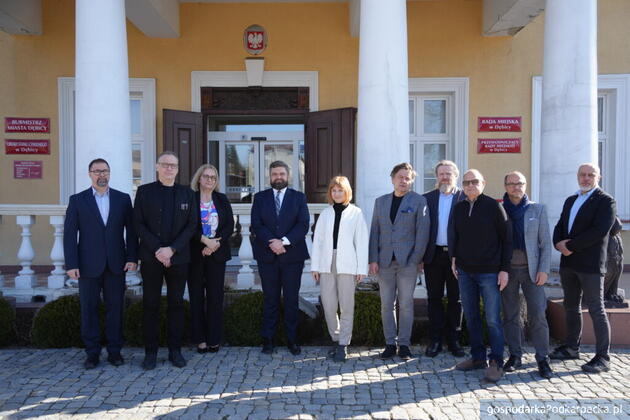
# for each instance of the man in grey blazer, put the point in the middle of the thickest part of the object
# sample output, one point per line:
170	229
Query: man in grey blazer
398	239
529	269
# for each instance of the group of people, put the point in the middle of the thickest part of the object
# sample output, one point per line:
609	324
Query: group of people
467	243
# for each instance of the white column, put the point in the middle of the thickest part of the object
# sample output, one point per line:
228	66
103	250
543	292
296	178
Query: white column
383	113
569	99
102	91
26	277
245	278
308	283
57	277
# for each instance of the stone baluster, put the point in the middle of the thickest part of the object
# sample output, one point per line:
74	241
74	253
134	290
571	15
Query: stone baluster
308	282
1	276
26	278
245	278
57	277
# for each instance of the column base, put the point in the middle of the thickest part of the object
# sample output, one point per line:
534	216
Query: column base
25	281
132	279
245	280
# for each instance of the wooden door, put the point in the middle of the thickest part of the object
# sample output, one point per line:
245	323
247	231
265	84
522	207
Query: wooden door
183	134
329	150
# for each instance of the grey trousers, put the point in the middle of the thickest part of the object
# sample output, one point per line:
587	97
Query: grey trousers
397	283
588	288
536	308
338	293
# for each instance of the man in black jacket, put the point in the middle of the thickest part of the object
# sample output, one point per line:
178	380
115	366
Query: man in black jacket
481	249
165	219
581	235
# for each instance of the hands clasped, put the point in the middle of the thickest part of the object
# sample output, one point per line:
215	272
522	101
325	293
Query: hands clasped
276	246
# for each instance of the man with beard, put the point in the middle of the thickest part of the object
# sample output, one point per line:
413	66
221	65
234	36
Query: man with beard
437	264
100	245
581	235
280	221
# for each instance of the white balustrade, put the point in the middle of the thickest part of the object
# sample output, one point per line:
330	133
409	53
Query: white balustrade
308	282
245	278
57	277
26	278
1	276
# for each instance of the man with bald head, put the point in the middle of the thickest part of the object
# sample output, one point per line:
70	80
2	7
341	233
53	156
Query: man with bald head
581	235
481	251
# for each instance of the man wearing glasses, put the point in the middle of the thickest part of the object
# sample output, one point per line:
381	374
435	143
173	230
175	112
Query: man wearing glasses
481	251
100	245
165	219
529	269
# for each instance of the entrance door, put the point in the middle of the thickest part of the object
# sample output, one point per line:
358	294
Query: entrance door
245	156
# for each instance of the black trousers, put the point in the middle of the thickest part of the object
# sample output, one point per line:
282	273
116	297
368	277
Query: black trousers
113	288
280	279
205	288
153	275
589	289
437	275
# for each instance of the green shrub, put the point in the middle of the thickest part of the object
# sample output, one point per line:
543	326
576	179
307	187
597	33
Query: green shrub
132	326
7	322
58	323
368	326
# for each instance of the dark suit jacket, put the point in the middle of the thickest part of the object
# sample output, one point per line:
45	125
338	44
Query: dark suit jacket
588	238
433	200
98	245
224	230
148	218
293	222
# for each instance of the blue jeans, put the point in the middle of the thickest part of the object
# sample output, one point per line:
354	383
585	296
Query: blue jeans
471	287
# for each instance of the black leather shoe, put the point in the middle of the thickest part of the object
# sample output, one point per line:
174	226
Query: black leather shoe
267	347
176	358
404	352
202	350
564	353
433	349
91	361
597	364
389	352
115	359
213	349
456	350
513	364
150	361
330	354
341	354
294	349
544	369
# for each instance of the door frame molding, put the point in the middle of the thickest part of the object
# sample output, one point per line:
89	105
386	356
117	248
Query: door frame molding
201	79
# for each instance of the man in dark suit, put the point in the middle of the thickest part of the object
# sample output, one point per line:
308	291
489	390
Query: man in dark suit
100	245
280	222
581	235
165	218
437	264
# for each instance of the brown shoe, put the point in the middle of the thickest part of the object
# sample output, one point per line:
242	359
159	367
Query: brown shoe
471	364
493	372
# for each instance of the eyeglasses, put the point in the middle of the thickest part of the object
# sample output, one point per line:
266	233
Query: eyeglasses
515	184
168	165
470	182
100	172
208	177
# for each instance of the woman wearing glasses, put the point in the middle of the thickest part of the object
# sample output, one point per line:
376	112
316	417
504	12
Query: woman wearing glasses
210	250
339	260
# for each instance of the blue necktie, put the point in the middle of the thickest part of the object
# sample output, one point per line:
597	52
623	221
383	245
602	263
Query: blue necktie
278	203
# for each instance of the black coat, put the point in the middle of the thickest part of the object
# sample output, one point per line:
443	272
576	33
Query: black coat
224	230
588	238
433	200
148	218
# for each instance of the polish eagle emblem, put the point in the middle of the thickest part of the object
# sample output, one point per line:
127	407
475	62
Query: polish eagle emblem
255	39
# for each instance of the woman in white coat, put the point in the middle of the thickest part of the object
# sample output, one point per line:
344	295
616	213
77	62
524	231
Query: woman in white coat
339	260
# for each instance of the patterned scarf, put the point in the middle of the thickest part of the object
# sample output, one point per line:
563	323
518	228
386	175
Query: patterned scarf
516	213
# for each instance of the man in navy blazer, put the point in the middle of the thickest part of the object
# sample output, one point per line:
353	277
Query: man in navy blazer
100	245
437	264
280	221
581	235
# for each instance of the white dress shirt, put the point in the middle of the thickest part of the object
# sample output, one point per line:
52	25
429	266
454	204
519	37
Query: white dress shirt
577	204
444	211
102	202
282	192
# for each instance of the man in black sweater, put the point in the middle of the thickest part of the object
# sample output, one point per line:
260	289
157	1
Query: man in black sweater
581	235
481	250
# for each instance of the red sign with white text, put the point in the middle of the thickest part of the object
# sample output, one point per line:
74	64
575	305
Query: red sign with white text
27	169
27	147
512	124
499	145
26	125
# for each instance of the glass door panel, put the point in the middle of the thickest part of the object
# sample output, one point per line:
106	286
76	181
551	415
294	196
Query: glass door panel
432	154
240	171
273	152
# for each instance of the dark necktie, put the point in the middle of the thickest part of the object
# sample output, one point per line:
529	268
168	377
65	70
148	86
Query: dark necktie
278	203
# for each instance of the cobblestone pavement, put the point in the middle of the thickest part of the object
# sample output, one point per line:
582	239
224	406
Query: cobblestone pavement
242	383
